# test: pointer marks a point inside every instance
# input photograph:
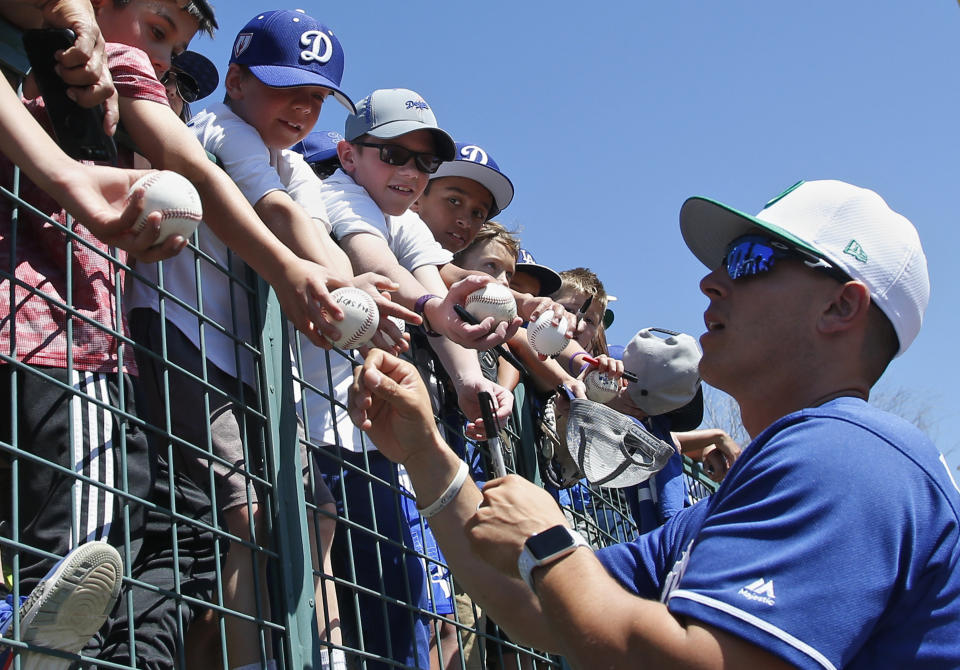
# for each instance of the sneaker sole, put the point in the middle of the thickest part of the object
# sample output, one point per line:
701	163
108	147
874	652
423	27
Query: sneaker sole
72	602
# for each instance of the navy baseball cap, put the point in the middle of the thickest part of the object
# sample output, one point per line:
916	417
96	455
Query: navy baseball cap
473	162
390	112
319	145
550	281
285	48
199	67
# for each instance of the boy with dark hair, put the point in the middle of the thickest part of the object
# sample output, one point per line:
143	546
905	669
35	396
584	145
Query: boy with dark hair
462	195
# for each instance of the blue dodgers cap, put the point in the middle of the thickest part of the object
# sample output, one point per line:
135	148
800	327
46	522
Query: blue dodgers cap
200	68
319	146
550	281
473	162
285	48
390	112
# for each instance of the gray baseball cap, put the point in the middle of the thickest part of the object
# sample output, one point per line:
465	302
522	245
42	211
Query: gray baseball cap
390	112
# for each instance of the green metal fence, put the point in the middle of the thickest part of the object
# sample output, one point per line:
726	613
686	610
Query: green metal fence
259	576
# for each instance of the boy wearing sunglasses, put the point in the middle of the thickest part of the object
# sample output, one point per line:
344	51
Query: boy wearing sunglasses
834	539
392	145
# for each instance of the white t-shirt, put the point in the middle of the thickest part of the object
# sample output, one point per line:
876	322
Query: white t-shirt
352	210
257	171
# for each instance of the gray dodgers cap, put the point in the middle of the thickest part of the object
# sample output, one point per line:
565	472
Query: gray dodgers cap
390	112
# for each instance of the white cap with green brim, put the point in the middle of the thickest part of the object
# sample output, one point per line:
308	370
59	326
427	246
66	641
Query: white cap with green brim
849	227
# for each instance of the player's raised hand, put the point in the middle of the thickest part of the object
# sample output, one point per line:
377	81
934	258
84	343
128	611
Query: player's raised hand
389	401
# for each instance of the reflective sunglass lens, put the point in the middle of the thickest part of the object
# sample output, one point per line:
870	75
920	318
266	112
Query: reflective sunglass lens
427	162
395	155
746	258
187	85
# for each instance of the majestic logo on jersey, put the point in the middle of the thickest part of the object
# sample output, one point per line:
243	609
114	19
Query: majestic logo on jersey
320	46
243	41
760	590
676	573
475	154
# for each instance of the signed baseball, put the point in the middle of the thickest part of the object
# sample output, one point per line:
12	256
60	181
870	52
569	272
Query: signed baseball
360	317
600	387
175	198
546	338
494	300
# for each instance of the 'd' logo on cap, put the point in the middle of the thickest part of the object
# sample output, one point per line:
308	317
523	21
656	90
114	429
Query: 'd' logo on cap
243	41
475	154
320	47
417	104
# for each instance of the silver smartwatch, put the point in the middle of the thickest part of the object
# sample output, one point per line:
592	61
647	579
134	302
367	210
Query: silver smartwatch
547	547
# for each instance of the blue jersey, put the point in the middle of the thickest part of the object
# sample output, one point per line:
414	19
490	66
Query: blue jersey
834	541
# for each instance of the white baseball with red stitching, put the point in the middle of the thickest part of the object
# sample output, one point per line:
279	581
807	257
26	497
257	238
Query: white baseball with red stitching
546	338
399	323
175	198
360	317
600	387
494	300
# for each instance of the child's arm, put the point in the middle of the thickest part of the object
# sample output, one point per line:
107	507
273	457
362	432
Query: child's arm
371	253
300	284
507	376
462	364
95	195
294	226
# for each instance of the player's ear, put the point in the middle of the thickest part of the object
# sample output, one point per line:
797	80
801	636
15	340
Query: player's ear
847	306
97	4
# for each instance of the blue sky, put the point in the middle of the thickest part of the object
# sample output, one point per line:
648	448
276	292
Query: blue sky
606	116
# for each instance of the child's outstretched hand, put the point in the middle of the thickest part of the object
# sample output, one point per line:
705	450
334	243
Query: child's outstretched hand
389	337
481	336
303	290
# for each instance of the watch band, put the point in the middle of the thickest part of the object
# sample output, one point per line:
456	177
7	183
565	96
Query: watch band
418	308
528	561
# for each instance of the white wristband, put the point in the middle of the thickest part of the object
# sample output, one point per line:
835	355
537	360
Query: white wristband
449	493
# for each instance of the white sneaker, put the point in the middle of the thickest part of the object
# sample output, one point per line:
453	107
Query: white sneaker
67	607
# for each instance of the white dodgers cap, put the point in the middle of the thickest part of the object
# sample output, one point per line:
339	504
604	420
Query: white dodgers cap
851	228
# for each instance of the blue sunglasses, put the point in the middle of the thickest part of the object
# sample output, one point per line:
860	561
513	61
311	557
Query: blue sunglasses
751	255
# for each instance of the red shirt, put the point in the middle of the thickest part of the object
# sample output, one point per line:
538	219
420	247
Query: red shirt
66	293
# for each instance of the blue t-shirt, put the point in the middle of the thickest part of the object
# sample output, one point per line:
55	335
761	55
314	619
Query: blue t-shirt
834	541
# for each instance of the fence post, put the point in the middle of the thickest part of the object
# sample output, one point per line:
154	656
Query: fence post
293	572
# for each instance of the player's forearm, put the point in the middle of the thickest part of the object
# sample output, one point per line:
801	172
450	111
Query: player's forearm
507	600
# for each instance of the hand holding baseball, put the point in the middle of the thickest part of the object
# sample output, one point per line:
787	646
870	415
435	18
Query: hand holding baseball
482	336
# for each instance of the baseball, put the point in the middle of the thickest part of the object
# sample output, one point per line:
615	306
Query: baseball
494	300
175	198
360	317
546	338
399	323
600	387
